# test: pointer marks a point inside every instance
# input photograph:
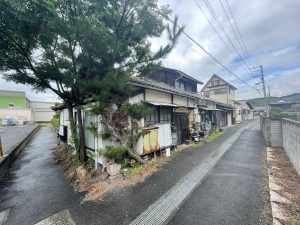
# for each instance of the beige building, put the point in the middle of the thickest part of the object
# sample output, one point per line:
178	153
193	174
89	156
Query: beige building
223	92
41	111
220	90
16	108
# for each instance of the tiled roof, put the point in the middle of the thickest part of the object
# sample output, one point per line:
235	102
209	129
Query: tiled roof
182	73
159	86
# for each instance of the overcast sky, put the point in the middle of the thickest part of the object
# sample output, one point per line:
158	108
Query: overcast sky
270	31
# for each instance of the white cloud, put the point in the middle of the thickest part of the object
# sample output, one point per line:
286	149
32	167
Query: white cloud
270	31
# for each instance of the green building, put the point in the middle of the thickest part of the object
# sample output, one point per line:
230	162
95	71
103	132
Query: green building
13	99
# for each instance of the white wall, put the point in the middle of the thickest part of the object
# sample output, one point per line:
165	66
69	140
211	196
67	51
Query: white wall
136	99
41	105
156	96
179	100
42	115
18	115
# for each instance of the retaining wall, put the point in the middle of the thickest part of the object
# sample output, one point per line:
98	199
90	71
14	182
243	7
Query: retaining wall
272	131
291	141
283	133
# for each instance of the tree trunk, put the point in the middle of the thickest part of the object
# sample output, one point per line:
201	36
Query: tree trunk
135	156
71	118
82	153
70	111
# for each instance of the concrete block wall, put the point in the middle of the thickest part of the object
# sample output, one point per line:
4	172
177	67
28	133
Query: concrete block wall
283	133
291	141
272	131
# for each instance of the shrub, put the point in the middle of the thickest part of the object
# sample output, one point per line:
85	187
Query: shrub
277	113
118	153
55	122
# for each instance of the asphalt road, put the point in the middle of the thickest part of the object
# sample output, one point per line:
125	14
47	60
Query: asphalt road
13	135
35	188
234	191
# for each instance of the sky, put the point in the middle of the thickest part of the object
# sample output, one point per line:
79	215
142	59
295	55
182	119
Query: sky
269	30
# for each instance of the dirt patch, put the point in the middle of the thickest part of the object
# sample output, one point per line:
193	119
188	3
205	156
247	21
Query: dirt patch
97	184
285	187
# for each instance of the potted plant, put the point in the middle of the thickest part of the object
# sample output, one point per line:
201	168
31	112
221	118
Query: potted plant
115	156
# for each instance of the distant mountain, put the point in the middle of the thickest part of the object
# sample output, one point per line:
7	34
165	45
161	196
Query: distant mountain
261	102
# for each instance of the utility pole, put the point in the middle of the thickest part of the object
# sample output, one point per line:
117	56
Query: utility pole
269	96
264	87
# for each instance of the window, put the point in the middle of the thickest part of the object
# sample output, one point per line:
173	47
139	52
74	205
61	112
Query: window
152	117
206	93
215	83
159	115
180	85
220	91
165	115
11	105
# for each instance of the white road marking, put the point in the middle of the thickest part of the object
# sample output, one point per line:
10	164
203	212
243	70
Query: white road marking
60	218
161	210
4	216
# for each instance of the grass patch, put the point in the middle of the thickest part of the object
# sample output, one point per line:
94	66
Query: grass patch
214	136
139	169
133	171
44	124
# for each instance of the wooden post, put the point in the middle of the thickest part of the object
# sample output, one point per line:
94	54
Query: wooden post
1	150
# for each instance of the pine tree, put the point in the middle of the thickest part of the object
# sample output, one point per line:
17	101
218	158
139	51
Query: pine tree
65	45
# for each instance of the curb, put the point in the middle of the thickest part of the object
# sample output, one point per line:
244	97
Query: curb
278	213
7	160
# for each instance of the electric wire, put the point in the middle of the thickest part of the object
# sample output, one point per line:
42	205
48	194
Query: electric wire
237	28
207	53
236	36
243	62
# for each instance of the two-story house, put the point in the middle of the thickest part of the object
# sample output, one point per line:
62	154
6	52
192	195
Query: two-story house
220	90
223	93
173	97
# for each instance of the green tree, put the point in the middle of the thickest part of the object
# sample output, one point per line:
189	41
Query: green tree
62	45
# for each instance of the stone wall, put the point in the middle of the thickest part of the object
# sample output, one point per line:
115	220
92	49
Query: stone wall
283	133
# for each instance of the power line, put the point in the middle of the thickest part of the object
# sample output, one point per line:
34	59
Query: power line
215	59
236	36
247	52
210	8
208	20
209	54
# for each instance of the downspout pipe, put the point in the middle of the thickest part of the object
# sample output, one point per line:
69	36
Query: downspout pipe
178	78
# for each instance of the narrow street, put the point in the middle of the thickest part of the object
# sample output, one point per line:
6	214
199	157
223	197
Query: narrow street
233	192
35	186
